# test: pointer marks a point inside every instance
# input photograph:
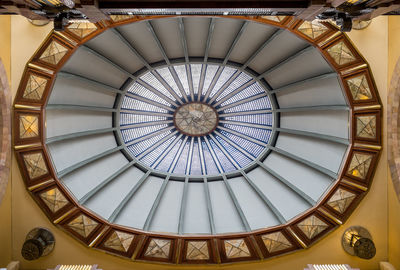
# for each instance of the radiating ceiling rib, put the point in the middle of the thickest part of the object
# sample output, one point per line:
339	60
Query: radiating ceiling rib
243	136
148	136
183	206
256	52
189	160
157	40
146	124
87	80
79	108
157	92
206	51
315	78
130	46
237	204
231	159
153	209
209	206
228	96
213	155
315	108
178	82
202	161
160	114
224	86
230	114
235	41
126	199
264	198
286	60
105	182
312	165
244	124
107	60
79	134
213	82
82	163
185	52
149	101
235	145
145	152
287	183
145	63
177	155
233	104
161	157
167	86
315	135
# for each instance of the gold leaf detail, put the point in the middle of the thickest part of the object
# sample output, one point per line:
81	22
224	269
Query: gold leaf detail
236	248
158	248
35	87
83	225
82	29
35	165
53	53
312	226
341	53
341	200
28	126
197	250
359	165
275	242
120	241
54	199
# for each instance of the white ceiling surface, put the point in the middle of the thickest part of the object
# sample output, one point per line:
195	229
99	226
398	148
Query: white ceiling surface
195	216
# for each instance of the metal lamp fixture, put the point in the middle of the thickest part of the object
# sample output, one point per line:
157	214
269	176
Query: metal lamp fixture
39	242
357	241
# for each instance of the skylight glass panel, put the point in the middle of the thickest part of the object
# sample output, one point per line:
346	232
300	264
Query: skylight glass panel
197	120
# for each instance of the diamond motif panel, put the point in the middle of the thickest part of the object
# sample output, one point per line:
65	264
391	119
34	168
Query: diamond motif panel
274	18
341	53
275	242
197	250
35	87
341	200
312	226
53	53
312	29
35	165
83	225
158	248
118	18
82	29
28	126
359	165
236	248
366	126
54	199
359	88
120	241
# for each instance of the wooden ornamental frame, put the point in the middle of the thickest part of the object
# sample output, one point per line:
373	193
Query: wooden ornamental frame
63	210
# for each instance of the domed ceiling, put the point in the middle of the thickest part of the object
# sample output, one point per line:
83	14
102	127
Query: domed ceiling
198	139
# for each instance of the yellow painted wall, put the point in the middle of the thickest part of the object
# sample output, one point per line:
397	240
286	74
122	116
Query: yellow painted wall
393	202
5	206
372	212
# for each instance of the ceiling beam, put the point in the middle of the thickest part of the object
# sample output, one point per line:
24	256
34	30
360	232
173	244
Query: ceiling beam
127	198
87	161
105	182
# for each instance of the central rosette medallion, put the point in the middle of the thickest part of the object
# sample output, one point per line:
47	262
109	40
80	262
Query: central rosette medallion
196	119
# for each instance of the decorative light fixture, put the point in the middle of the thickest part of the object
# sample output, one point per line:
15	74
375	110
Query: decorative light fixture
357	241
38	243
